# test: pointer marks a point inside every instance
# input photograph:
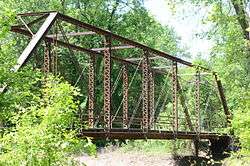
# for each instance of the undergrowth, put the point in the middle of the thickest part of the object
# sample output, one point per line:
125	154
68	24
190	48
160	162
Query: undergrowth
158	146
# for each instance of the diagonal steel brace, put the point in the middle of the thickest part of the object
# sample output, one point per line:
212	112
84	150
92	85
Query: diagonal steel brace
36	40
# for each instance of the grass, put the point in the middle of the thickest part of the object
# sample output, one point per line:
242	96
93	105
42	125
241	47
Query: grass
158	146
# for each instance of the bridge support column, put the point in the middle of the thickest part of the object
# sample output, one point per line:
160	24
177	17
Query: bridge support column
197	111
107	83
151	100
196	147
46	59
197	101
125	97
219	146
54	57
175	98
145	91
91	91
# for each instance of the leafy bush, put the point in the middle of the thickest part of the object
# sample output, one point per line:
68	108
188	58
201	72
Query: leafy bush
241	127
43	133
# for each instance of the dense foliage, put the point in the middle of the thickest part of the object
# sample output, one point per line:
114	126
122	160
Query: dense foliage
231	59
43	132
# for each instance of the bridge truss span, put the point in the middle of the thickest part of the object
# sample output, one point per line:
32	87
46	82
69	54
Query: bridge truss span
132	91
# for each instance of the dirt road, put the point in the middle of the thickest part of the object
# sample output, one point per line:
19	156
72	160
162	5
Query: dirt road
119	158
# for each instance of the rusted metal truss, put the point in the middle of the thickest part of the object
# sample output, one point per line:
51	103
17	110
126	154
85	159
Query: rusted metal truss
125	96
174	96
197	101
151	99
107	82
223	100
47	54
145	91
91	92
144	64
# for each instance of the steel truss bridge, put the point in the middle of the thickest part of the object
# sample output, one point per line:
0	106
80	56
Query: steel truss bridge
132	91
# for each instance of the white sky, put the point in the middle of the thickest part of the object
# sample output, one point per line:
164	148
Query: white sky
186	22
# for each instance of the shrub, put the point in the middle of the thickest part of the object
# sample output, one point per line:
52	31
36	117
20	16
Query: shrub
43	133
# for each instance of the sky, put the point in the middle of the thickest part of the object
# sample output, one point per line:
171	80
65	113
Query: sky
187	22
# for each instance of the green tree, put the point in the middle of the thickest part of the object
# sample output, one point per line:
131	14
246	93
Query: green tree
231	57
44	133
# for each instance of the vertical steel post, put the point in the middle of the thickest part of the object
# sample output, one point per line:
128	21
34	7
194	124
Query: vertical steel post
36	63
107	83
197	100
223	100
197	110
125	97
52	60
145	91
174	96
46	67
151	99
91	91
47	53
54	53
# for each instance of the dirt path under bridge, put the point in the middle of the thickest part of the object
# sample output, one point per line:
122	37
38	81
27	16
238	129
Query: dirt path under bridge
119	158
134	158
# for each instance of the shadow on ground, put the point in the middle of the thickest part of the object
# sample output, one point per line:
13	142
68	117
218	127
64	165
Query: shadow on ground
193	160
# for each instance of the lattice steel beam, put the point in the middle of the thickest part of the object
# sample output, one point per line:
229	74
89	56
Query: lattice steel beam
46	59
107	83
151	99
54	55
145	91
125	97
197	100
91	92
174	96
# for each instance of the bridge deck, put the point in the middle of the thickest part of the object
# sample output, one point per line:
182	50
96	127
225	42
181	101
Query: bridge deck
151	134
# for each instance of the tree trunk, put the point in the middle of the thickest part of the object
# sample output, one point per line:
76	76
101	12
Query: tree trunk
242	18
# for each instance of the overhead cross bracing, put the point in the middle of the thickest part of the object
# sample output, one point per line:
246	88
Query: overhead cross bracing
150	98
